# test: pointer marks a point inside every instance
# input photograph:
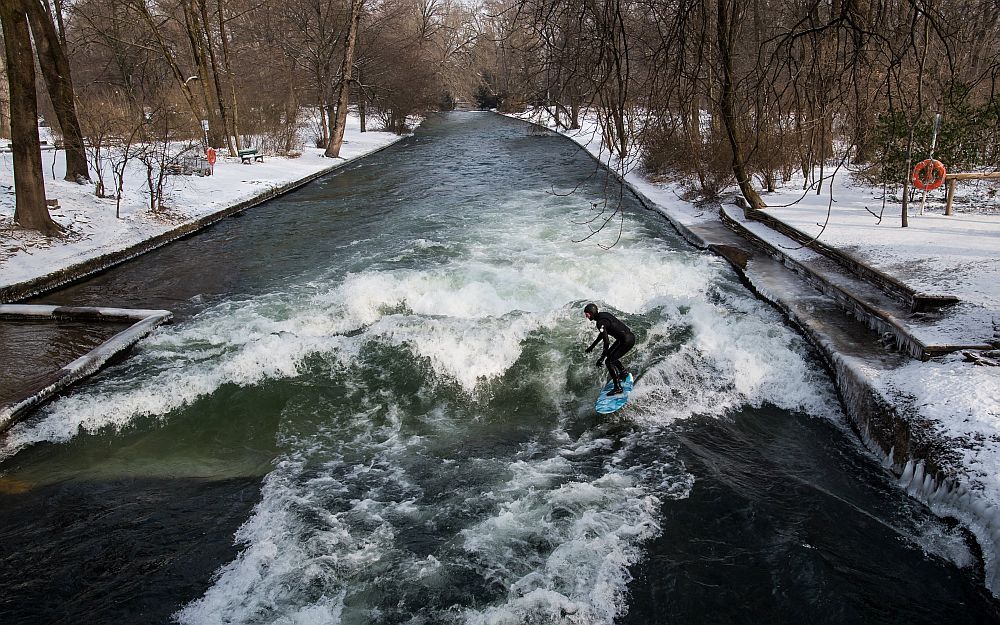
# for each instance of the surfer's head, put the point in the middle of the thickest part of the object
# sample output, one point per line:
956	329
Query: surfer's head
590	311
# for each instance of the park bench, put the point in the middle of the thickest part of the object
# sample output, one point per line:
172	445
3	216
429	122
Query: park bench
250	155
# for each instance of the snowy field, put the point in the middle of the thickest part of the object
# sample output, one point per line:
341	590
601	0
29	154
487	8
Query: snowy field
957	254
954	255
94	230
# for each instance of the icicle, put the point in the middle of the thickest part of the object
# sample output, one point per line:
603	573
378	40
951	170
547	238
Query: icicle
917	483
928	486
887	462
907	476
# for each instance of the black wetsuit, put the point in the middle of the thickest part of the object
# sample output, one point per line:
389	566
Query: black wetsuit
609	325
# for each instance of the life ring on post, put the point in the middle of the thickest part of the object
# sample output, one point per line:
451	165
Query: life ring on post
210	157
936	174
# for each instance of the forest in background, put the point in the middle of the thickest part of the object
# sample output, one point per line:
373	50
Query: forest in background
712	92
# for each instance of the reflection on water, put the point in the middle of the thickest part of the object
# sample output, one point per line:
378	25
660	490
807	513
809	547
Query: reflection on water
33	350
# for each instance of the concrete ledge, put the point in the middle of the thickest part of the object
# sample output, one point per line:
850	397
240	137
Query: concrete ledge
145	321
878	319
74	313
911	298
73	273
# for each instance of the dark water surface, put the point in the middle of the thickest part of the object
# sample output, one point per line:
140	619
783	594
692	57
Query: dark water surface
374	408
33	350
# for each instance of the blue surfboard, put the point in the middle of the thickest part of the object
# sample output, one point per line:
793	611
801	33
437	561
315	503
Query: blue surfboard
607	405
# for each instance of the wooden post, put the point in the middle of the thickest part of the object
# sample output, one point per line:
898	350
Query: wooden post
952	180
950	195
930	157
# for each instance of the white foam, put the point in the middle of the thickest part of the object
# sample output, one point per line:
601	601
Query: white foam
294	543
561	549
731	360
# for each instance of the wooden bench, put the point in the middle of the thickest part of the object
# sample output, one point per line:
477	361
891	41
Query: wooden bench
952	179
250	155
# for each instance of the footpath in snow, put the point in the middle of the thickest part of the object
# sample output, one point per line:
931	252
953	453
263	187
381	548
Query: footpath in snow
936	424
93	231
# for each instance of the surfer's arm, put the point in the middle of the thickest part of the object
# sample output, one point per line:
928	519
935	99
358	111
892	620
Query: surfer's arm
601	336
594	344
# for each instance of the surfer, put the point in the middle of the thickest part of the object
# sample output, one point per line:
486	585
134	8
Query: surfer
607	324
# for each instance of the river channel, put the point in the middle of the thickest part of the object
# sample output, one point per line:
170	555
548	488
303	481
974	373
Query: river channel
374	407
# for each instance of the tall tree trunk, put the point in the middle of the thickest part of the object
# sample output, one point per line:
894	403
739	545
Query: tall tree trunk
331	120
904	212
324	125
30	210
340	122
216	126
727	104
55	68
56	15
227	64
574	109
4	101
216	79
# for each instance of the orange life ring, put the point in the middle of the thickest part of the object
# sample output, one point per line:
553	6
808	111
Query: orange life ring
937	174
210	155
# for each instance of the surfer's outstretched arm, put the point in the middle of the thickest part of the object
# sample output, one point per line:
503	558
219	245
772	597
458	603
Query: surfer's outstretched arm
603	336
596	341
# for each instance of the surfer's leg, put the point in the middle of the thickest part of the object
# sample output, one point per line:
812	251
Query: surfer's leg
619	349
622	371
613	368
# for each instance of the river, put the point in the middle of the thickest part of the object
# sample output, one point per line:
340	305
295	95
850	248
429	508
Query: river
374	407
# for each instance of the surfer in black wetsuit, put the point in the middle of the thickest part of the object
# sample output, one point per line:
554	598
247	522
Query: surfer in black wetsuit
609	325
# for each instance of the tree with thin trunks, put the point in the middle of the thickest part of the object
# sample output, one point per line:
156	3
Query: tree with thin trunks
56	71
30	210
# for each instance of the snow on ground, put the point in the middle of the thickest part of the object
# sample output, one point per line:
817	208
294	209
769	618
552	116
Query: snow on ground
955	255
94	230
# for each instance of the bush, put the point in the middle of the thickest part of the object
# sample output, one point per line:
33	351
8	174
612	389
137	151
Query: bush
487	99
967	138
703	163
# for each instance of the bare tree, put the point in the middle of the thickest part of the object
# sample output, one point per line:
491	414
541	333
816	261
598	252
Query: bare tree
346	78
56	70
30	210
